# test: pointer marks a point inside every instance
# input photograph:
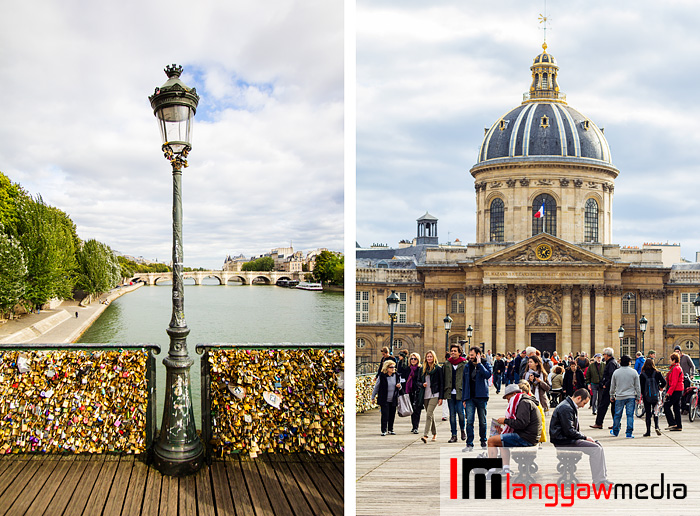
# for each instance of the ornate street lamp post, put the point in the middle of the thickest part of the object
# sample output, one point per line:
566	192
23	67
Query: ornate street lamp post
621	334
470	332
448	326
643	327
178	450
392	306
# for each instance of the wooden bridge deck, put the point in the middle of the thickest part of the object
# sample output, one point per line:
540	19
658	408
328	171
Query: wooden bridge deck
123	485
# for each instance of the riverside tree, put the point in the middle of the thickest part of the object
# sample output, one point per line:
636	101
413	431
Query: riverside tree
98	267
13	273
48	239
329	268
265	263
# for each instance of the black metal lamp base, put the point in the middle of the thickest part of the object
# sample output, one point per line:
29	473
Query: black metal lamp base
180	463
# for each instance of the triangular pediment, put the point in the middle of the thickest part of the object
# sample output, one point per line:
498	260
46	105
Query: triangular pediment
544	249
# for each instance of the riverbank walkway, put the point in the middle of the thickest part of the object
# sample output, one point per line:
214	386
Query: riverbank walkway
399	474
71	485
59	325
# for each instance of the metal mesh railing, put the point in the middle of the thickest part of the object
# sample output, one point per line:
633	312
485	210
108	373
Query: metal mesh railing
272	398
79	398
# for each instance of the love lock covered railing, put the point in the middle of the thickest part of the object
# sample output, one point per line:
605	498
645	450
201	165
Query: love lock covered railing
282	398
79	398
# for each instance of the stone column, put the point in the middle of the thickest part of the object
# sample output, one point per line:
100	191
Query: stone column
428	326
500	344
565	346
469	308
658	322
601	324
615	318
585	318
520	317
485	335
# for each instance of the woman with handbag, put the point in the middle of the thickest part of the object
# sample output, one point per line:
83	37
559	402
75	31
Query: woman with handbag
414	389
386	391
652	384
431	392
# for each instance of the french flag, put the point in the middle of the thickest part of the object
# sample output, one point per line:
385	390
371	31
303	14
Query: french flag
540	212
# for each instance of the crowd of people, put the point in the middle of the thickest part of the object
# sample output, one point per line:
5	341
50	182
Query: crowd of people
532	382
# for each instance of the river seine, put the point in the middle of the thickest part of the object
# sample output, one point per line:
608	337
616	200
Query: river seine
233	313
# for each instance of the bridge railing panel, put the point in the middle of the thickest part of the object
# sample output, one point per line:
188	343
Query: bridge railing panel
77	398
364	384
272	398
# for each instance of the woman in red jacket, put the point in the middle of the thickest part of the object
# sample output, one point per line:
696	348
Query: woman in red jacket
673	395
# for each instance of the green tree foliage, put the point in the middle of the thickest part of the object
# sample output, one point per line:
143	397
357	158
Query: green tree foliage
11	195
48	239
130	268
329	268
265	263
13	273
98	267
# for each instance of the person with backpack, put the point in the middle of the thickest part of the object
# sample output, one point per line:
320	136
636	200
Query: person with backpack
594	375
652	383
499	368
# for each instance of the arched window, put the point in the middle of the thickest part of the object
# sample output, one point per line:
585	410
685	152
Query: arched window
361	342
590	231
546	222
497	220
458	303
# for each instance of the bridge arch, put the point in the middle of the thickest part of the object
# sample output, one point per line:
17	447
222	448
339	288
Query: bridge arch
161	279
261	279
216	277
237	278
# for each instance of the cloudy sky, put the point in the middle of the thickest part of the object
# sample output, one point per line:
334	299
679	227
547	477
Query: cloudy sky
432	75
267	160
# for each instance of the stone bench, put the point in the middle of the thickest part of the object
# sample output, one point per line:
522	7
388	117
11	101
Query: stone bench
527	467
568	460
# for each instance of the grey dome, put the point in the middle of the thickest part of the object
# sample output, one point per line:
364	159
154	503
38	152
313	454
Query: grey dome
536	129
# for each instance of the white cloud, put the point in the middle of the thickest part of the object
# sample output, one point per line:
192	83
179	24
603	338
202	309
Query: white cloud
432	75
266	165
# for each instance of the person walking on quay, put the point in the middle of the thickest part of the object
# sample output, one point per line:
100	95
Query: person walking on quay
652	382
414	388
639	362
547	362
499	369
624	392
385	356
519	357
386	392
402	365
453	376
604	401
573	379
594	374
673	394
556	380
529	352
685	362
537	379
564	431
431	381
475	394
582	361
522	425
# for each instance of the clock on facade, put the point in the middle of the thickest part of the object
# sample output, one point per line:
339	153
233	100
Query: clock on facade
543	252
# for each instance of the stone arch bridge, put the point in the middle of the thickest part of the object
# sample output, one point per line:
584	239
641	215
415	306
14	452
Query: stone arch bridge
224	277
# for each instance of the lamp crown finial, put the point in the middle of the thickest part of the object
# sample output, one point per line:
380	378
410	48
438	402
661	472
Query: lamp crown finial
173	70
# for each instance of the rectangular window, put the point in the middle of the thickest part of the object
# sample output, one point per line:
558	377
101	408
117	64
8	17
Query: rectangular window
629	346
629	306
362	306
402	307
688	308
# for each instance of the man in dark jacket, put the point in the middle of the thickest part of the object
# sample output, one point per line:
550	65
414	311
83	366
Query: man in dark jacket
564	432
594	374
604	389
452	376
475	394
499	367
526	426
516	366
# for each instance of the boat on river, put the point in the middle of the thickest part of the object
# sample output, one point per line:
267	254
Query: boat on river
289	283
310	286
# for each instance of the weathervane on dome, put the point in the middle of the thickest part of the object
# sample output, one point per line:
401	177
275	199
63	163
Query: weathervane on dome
544	20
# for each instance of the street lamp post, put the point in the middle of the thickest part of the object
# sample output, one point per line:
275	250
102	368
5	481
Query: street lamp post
178	450
392	306
643	327
448	326
470	332
621	334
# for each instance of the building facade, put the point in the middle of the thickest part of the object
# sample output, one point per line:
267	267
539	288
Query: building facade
543	270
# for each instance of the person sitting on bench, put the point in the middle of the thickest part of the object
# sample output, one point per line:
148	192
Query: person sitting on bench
564	432
523	425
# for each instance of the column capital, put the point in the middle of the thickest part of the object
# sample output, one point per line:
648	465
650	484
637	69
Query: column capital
615	290
600	290
486	290
501	289
646	293
520	289
585	290
470	290
567	289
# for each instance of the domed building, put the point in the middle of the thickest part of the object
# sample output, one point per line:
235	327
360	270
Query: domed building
543	270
